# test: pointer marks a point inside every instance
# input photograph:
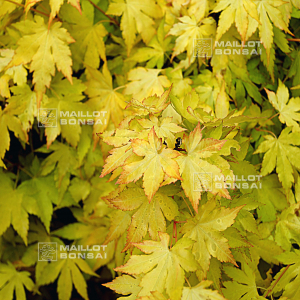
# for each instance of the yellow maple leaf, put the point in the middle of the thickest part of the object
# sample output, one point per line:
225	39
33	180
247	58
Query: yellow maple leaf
137	17
44	48
188	31
164	267
145	82
198	174
103	97
205	228
55	6
156	163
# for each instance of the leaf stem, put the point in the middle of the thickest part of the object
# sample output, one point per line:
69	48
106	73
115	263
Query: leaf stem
269	119
17	179
257	129
271	289
103	12
187	282
187	204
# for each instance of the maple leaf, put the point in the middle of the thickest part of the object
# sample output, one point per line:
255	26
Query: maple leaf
17	73
65	99
200	292
154	53
120	221
148	216
153	104
198	8
164	128
272	196
145	82
235	11
13	210
205	229
63	155
23	104
262	116
13	281
155	296
41	192
157	162
188	31
288	109
289	276
55	6
125	285
268	10
7	7
180	85
138	17
243	286
281	153
68	271
288	226
116	159
89	46
194	168
190	102
103	97
9	121
164	267
44	48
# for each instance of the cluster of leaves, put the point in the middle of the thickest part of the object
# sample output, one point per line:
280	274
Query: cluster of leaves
155	176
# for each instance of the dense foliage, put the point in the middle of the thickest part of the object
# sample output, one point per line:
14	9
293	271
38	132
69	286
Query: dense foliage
159	137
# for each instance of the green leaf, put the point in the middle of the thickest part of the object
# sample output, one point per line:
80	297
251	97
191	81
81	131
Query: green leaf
12	281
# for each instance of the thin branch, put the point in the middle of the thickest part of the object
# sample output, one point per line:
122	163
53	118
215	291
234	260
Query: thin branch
19	167
294	40
103	12
271	289
33	9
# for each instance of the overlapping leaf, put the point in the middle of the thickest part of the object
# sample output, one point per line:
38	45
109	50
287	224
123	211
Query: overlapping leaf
164	267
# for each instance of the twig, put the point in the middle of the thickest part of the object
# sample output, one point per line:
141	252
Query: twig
22	169
294	40
103	12
33	9
271	289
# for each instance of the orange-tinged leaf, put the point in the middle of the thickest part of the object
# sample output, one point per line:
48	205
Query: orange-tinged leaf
148	216
197	174
205	228
157	162
164	267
